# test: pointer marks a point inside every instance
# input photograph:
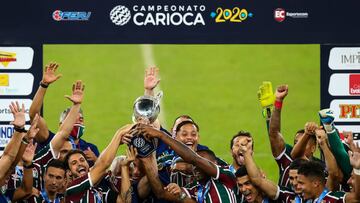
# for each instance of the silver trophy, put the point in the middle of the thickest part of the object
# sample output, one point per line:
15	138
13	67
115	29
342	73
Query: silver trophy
146	111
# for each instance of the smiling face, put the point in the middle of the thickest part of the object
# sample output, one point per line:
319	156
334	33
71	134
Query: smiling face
188	135
246	188
293	175
307	187
78	165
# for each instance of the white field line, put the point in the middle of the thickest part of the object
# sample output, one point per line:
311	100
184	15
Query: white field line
149	61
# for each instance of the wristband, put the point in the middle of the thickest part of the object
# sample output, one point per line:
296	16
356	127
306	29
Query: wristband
278	104
29	166
43	85
357	172
20	129
25	141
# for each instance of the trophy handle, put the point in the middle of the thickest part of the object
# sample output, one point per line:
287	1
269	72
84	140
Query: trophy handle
158	98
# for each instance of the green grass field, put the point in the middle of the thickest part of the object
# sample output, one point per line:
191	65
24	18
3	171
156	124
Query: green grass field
215	84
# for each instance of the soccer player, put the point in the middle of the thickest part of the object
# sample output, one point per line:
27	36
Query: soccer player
311	180
45	135
54	181
280	150
235	143
272	192
212	178
84	179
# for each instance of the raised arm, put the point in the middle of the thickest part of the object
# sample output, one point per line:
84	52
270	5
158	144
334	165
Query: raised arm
107	156
336	146
151	80
265	185
27	182
299	148
64	131
125	188
151	171
187	154
9	155
49	77
334	177
276	139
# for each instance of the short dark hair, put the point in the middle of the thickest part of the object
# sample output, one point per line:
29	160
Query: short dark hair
208	152
69	154
66	112
241	133
184	123
295	165
313	169
241	172
56	163
302	131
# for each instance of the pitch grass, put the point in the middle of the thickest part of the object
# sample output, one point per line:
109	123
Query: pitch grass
215	84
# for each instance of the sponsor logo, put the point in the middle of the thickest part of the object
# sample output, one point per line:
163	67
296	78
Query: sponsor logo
234	15
344	58
281	14
4	80
7	57
340	84
59	15
354	84
346	110
16	84
355	129
158	15
6	132
16	58
5	112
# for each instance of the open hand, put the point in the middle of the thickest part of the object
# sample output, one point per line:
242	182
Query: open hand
77	92
151	78
19	114
49	75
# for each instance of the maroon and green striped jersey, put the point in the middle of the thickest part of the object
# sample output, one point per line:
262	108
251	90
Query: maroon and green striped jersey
81	190
283	161
222	188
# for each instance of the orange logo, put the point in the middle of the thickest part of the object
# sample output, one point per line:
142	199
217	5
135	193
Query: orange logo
7	57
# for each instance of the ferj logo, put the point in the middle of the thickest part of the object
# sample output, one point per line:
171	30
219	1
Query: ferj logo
7	57
4	80
59	15
233	15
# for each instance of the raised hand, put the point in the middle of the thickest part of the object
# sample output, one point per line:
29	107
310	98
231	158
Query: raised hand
355	159
281	92
350	141
29	153
131	154
310	128
146	131
90	155
49	75
245	146
321	137
19	114
151	79
327	116
77	92
33	130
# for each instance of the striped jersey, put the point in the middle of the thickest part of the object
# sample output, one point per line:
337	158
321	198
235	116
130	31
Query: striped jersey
81	190
283	161
222	188
333	197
